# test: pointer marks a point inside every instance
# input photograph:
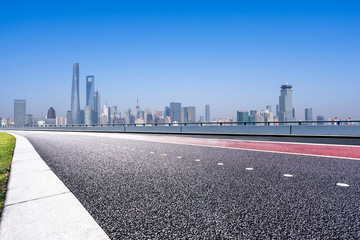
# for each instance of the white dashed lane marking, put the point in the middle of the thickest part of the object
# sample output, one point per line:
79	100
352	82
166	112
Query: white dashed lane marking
342	185
249	169
220	164
288	175
179	157
197	160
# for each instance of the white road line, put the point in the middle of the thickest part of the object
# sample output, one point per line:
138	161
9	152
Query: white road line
342	185
288	175
197	160
220	164
249	169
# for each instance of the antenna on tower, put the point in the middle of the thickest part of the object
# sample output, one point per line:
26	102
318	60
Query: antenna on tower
137	103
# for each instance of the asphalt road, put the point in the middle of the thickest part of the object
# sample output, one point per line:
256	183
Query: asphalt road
147	190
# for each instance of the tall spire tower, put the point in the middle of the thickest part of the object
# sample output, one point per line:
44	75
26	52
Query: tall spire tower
75	99
137	104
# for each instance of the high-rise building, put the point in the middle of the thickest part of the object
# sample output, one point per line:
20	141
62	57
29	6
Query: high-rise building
188	114
267	115
29	119
114	115
286	110
90	115
19	111
138	113
90	92
277	110
127	116
268	107
97	109
105	116
320	118
242	116
253	112
149	118
68	117
308	114
175	112
132	119
259	118
75	98
166	112
51	113
207	113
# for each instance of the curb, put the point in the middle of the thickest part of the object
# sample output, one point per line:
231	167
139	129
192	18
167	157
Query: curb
39	206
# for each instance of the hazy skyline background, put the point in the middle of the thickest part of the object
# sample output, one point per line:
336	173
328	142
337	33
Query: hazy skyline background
233	55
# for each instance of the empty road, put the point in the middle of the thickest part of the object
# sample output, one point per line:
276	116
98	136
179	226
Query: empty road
181	187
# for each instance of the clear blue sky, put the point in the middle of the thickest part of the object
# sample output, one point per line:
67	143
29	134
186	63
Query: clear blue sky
230	54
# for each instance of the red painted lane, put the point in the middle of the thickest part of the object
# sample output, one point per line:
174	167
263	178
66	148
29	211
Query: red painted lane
342	151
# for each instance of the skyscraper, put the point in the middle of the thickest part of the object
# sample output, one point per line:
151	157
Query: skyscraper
308	114
105	116
175	112
51	113
19	111
207	113
75	99
188	115
90	92
88	115
286	110
97	105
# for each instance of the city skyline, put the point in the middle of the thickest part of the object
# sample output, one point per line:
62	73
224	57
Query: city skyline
231	56
92	110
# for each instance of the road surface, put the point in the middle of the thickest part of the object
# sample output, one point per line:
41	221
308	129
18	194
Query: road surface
168	187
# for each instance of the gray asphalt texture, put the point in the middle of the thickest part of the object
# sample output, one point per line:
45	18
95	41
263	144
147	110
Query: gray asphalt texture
135	192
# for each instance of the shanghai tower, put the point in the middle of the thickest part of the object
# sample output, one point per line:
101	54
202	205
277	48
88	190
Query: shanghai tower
75	99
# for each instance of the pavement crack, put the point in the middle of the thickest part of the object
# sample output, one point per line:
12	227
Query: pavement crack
35	199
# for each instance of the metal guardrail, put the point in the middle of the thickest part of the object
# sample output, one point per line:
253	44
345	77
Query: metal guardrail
273	123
